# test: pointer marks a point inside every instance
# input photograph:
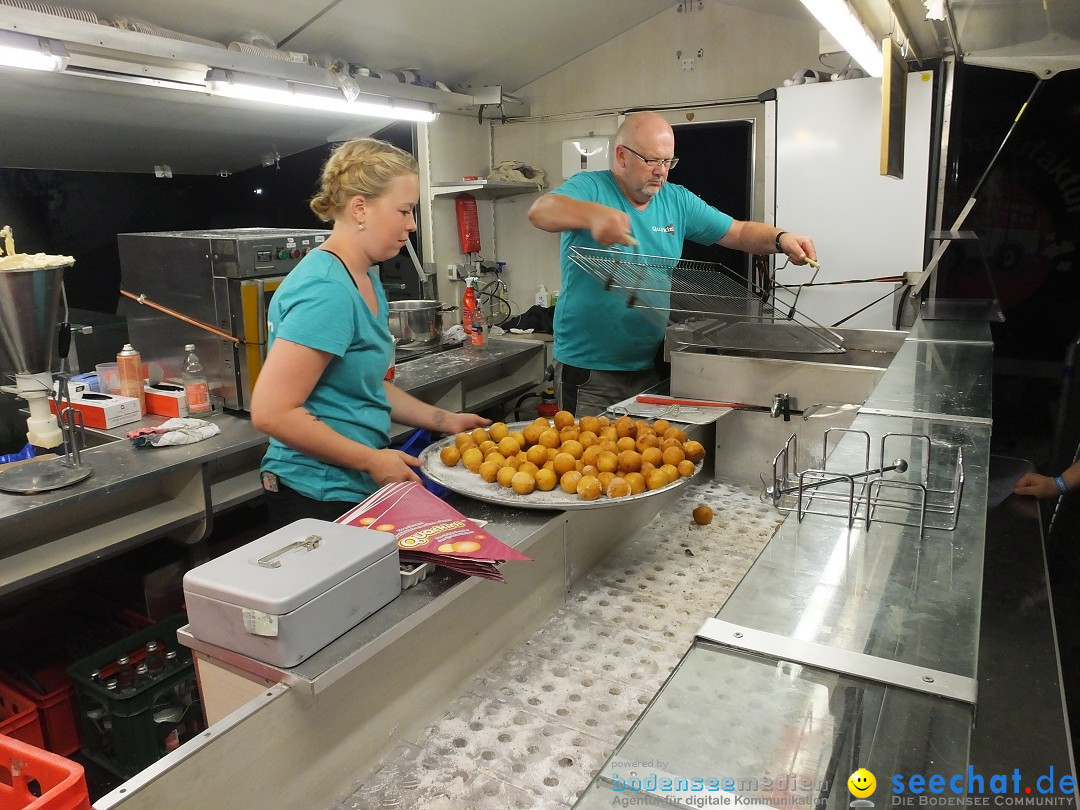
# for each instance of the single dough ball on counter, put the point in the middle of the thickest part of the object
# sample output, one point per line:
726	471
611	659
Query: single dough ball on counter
702	515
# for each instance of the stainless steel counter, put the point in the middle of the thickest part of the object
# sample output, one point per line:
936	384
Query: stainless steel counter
851	647
136	495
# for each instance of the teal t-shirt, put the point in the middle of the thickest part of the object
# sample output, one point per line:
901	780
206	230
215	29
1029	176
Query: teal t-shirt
318	305
594	327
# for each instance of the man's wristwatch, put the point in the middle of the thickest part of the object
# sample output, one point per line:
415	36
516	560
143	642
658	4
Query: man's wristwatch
778	235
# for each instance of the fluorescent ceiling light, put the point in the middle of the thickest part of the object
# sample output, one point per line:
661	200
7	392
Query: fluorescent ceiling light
312	97
35	53
840	20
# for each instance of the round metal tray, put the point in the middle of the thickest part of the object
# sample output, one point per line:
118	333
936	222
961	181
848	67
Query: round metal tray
460	480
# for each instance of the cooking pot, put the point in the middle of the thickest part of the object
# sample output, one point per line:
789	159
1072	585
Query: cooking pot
416	324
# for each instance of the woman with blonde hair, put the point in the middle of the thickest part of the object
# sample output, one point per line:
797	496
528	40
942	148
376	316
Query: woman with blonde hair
321	394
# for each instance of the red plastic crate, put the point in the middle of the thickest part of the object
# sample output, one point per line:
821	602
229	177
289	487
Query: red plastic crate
57	709
19	718
26	771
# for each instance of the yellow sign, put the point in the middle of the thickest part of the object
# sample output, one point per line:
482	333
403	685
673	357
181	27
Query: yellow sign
862	783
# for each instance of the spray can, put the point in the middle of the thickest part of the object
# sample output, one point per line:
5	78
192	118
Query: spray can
129	367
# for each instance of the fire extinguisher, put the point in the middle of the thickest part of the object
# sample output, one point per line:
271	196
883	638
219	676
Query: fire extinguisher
468	223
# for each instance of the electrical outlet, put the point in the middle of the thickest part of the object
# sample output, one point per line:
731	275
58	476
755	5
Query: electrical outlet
453	271
687	64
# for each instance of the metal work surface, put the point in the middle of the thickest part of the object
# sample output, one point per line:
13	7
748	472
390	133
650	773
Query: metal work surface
534	727
948	378
891	591
757	731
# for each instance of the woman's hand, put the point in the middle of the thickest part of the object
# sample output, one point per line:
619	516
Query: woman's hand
392	466
1041	486
460	422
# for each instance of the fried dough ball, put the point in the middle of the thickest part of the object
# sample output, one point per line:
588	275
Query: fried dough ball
546	480
656	479
523	482
569	481
694	450
589	424
520	437
625	426
573	447
550	438
495	455
629	461
529	467
673	455
660	425
563	419
489	471
461	438
509	446
702	515
618	488
563	463
686	468
498	431
626	443
587	438
533	431
590	469
653	456
450	456
607	461
648	440
569	433
537	454
671	471
674	433
605	478
588	488
636	481
479	435
506	475
472	459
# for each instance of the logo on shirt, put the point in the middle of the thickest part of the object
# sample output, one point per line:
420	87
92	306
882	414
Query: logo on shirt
664	229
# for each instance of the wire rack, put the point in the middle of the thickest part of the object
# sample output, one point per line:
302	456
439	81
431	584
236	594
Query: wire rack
731	312
917	481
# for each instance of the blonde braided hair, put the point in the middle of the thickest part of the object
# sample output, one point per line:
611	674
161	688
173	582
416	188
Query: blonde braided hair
362	167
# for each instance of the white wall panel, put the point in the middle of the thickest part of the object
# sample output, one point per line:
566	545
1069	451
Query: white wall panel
828	185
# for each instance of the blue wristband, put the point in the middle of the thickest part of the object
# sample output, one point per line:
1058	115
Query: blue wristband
1061	485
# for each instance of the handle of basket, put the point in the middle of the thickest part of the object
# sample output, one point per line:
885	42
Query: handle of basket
705	403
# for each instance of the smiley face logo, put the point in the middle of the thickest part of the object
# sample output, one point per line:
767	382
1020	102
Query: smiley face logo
862	783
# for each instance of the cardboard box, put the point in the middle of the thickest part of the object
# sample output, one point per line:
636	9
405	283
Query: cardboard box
166	399
103	411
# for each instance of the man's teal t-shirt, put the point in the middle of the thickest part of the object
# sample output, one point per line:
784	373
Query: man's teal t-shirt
594	327
318	305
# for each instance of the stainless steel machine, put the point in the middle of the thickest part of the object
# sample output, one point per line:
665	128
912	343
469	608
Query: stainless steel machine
186	281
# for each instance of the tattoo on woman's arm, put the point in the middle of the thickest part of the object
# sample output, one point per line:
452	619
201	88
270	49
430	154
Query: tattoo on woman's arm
440	419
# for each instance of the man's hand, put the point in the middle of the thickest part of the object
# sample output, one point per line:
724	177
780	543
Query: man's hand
609	226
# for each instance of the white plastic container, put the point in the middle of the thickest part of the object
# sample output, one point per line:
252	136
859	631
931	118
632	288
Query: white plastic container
543	298
283	597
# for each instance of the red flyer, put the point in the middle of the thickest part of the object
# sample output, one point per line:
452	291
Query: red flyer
430	530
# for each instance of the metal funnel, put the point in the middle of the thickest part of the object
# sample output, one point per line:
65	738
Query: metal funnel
29	309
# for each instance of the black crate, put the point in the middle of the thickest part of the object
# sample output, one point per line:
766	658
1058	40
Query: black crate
125	731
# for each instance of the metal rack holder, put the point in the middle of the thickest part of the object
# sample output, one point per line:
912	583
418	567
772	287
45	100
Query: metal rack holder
735	313
924	493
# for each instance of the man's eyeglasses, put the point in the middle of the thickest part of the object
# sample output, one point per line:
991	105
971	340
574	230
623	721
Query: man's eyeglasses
664	163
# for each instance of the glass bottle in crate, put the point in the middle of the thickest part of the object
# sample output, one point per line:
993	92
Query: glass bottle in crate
125	676
155	659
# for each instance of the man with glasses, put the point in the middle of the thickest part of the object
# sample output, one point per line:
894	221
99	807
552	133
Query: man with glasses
604	350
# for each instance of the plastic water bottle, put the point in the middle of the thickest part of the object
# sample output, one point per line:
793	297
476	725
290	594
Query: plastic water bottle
196	388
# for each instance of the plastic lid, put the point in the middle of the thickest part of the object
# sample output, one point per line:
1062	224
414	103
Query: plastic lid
189	347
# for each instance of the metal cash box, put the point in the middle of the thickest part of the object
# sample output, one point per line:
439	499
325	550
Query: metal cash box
281	598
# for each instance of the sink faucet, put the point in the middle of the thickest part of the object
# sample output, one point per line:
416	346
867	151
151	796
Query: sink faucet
781	406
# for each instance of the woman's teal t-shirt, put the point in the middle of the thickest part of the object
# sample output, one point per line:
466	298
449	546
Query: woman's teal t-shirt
594	327
319	306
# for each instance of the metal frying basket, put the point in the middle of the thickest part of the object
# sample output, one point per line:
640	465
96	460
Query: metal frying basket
731	312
